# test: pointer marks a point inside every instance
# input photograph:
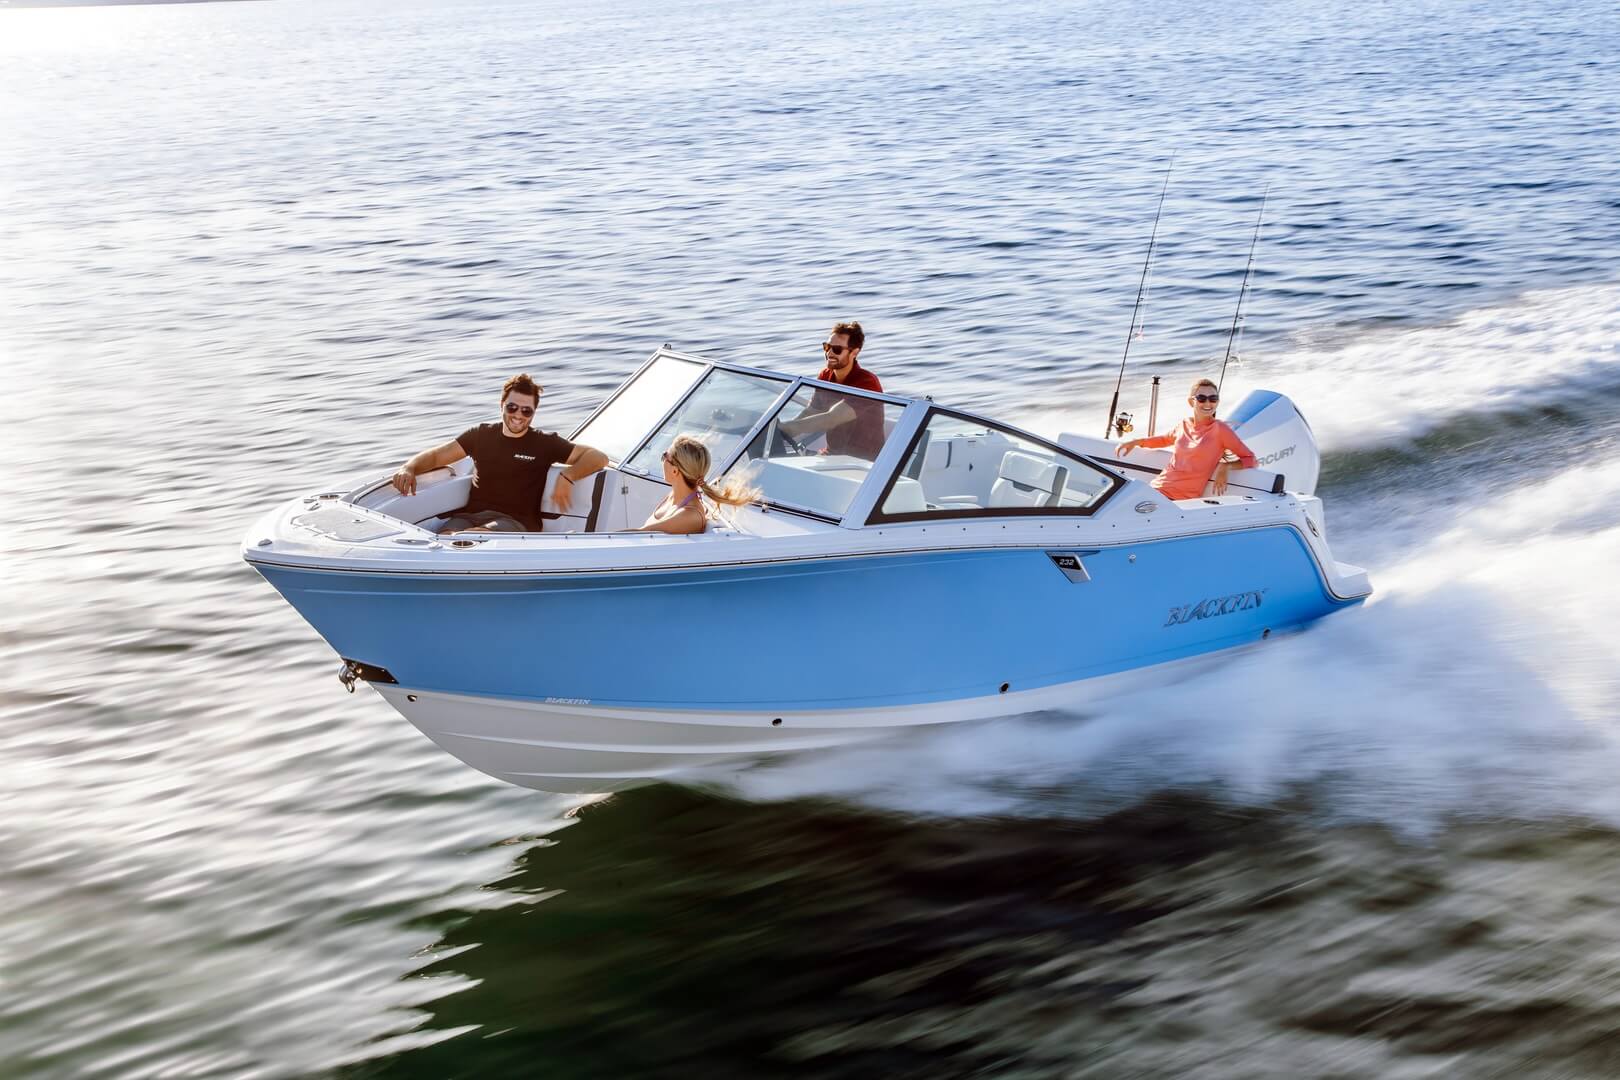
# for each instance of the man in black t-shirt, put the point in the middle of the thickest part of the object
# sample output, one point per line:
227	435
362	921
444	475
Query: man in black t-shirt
511	460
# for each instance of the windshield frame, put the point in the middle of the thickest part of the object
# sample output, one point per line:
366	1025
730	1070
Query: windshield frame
770	410
886	461
873	488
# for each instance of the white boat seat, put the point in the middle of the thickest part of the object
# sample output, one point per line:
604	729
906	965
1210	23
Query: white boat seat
1026	480
439	494
906	497
919	455
582	511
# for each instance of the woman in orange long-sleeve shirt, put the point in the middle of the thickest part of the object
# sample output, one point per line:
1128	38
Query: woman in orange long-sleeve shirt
1200	442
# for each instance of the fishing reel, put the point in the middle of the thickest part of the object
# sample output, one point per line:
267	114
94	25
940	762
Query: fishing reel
1123	425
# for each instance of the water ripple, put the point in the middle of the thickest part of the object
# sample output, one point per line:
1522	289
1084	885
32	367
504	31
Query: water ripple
257	249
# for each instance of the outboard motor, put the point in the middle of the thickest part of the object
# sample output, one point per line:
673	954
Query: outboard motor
1270	425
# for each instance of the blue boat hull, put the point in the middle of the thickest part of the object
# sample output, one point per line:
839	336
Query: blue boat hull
859	632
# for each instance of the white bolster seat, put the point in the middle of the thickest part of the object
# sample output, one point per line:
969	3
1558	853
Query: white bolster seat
906	497
581	511
1026	480
439	493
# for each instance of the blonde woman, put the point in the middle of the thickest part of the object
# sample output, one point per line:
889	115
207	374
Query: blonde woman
686	463
1197	447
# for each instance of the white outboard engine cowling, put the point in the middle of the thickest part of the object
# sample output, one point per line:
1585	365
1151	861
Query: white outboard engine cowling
1270	425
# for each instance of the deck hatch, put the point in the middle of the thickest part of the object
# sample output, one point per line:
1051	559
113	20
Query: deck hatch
343	523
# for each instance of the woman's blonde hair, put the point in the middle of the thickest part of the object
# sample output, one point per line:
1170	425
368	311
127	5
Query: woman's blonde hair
691	459
1201	382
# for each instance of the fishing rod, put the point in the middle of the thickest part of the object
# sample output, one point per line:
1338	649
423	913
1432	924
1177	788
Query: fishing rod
1243	290
1141	295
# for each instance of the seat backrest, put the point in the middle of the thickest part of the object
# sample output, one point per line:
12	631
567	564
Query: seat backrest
919	456
582	512
906	497
438	494
1026	480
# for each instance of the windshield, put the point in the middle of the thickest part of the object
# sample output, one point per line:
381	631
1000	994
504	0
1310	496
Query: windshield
962	467
817	450
621	424
721	411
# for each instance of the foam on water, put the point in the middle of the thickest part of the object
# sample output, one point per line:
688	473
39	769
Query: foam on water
1480	680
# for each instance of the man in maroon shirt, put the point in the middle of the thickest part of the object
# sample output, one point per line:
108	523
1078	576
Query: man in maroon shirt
853	425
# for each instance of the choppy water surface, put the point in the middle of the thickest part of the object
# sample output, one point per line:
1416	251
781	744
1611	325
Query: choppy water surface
253	247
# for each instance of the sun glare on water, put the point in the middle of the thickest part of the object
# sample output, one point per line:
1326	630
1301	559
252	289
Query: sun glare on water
55	31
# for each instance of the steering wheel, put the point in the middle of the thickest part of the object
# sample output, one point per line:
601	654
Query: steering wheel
781	440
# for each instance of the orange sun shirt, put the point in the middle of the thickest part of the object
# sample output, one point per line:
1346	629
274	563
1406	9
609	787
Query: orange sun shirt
1197	450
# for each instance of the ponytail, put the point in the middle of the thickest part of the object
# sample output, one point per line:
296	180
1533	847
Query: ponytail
734	493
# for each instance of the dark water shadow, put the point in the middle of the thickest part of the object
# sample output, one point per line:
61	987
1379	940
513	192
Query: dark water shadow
670	933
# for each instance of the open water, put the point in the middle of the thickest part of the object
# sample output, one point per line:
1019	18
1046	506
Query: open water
248	248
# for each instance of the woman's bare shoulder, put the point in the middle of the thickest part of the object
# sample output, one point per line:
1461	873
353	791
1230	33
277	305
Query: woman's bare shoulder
693	519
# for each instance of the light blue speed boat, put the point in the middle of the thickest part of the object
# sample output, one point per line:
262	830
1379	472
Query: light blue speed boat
971	570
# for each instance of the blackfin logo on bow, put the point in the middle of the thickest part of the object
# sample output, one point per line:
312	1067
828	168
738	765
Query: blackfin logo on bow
1216	606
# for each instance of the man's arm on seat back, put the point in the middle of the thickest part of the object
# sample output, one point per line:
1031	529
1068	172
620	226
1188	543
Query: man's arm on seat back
584	461
427	461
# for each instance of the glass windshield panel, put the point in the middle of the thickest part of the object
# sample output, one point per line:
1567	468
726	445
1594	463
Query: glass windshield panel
618	428
964	467
817	450
725	407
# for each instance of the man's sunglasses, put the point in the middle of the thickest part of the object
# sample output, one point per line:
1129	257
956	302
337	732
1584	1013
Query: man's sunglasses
514	407
1205	398
836	350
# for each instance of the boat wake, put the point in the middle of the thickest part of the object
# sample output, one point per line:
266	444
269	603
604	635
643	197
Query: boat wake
1543	348
1483	680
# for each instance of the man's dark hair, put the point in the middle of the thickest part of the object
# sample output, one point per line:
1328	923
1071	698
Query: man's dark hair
523	385
852	330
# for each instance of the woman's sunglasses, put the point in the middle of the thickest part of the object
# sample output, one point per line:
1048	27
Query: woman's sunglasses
514	407
1205	398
